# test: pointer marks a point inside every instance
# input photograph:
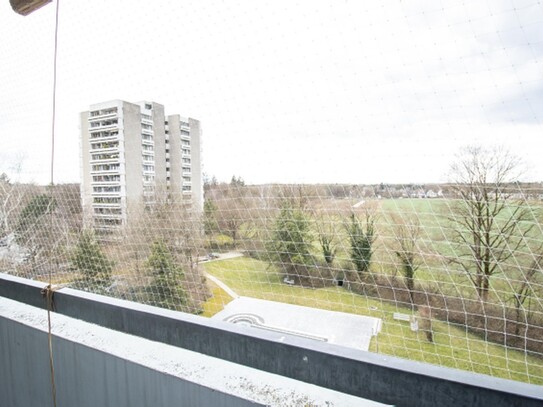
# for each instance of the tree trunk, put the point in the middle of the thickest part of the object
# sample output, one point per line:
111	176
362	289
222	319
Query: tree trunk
479	285
425	319
517	324
485	288
410	283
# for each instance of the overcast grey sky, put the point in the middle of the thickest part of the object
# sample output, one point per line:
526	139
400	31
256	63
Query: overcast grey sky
339	91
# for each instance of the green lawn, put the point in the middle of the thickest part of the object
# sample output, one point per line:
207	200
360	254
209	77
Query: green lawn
452	347
435	245
219	298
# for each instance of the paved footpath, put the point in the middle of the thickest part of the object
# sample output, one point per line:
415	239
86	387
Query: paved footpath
224	256
228	290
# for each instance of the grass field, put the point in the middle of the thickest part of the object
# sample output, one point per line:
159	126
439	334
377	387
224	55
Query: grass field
452	347
435	245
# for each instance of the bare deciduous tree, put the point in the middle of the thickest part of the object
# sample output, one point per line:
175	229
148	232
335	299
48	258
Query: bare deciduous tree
231	214
39	230
11	200
529	283
490	221
179	230
406	233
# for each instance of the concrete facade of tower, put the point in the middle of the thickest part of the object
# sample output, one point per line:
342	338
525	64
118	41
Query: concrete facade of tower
133	154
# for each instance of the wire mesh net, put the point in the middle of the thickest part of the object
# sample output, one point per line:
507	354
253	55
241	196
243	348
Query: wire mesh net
455	276
453	269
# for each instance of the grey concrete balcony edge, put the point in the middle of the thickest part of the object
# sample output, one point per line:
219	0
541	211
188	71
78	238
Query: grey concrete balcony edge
381	378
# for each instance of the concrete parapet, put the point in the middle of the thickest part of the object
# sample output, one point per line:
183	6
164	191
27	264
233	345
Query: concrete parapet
371	376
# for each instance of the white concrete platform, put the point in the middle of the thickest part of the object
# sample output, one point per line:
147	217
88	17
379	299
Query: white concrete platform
340	328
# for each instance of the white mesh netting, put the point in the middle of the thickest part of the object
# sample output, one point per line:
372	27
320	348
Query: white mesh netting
328	113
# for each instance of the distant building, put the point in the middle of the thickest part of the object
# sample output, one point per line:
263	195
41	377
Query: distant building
432	194
132	151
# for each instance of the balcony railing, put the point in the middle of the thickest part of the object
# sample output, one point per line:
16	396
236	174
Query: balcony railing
108	215
102	116
105	172
106	205
103	125
116	194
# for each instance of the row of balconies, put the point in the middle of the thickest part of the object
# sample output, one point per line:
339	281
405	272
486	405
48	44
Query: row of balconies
97	114
104	124
106	178
106	200
107	216
106	205
104	134
96	167
106	161
106	188
107	223
105	169
107	211
105	156
105	150
104	184
105	172
106	195
104	145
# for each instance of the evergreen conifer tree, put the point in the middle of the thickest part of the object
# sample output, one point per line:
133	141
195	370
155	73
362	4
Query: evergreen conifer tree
167	289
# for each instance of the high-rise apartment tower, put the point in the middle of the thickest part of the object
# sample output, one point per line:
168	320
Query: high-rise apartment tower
130	152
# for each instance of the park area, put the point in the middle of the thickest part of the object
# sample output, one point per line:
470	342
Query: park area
500	336
465	270
452	345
